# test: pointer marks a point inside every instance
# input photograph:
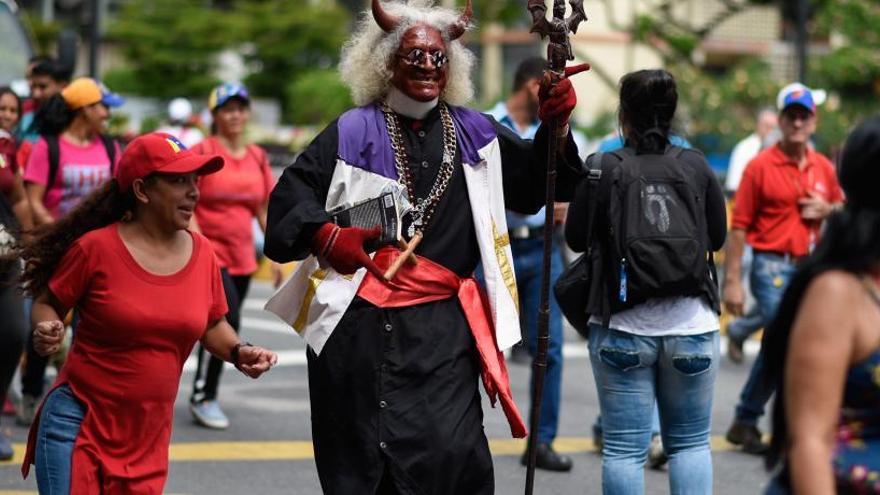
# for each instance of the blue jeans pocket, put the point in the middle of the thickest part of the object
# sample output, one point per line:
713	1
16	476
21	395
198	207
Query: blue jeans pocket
622	359
692	365
692	355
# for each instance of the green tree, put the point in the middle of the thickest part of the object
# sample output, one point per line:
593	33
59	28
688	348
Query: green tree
171	47
287	40
316	97
718	106
851	71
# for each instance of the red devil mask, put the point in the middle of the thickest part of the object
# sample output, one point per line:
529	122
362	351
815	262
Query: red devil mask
419	67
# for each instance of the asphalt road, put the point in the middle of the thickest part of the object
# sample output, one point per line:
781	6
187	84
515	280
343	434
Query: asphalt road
267	448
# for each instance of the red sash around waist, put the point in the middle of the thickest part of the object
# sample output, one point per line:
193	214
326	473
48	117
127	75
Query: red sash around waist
428	281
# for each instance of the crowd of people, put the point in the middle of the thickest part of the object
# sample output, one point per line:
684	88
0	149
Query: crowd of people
99	243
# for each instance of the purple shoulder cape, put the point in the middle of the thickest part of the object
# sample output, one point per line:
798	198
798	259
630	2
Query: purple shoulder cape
364	141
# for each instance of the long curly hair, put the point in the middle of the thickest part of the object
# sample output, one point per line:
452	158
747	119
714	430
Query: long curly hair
50	242
364	65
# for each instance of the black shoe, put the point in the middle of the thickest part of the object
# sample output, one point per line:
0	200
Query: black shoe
735	350
657	457
748	437
520	355
548	459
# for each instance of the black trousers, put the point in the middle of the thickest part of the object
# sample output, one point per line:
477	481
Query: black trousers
395	404
209	369
13	332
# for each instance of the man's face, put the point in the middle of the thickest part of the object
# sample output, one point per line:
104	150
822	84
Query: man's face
797	124
420	65
44	87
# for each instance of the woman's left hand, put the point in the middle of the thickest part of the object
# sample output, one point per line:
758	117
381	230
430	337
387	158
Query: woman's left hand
253	361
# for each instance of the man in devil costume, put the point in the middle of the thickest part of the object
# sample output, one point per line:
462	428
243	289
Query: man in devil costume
393	365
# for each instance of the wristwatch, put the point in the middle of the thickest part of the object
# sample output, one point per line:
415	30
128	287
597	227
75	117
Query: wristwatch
233	354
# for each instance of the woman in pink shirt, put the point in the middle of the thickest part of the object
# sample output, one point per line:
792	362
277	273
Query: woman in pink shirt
75	121
230	200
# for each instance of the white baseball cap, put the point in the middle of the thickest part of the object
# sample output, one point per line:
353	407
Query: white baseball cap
180	110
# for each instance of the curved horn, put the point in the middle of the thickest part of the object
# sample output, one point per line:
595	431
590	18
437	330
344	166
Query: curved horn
386	21
456	30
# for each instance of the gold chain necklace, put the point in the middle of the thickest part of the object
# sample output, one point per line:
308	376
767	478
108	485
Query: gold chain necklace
423	209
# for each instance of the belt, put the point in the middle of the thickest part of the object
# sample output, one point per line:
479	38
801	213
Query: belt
428	281
524	232
787	257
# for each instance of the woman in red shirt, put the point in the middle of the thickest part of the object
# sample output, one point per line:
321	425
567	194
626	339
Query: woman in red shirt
14	207
11	182
146	290
230	200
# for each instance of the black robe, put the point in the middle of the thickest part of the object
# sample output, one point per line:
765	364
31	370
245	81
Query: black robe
395	403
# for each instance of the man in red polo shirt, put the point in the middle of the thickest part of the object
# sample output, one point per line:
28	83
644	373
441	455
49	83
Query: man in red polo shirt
785	194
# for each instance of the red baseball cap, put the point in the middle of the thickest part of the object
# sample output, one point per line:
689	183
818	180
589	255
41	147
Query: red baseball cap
160	152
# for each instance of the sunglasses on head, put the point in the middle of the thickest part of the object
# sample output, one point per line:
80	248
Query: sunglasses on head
417	56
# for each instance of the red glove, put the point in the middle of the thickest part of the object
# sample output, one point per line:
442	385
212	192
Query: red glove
343	248
557	101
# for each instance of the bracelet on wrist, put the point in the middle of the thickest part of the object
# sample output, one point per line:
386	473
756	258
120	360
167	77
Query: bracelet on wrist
233	353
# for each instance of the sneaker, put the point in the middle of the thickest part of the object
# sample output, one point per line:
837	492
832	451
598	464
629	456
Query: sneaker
27	409
735	350
748	437
656	453
208	414
6	451
547	458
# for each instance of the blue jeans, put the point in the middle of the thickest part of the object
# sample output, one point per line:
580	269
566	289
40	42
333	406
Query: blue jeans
769	278
59	425
632	372
528	265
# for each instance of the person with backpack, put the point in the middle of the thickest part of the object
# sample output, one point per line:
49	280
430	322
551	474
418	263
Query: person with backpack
72	158
649	217
230	200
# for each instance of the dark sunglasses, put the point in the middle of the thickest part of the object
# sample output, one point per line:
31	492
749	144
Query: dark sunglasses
418	57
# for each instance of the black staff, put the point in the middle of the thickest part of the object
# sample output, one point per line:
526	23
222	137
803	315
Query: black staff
558	53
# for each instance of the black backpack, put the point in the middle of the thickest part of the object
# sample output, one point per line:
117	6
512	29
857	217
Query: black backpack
657	239
55	155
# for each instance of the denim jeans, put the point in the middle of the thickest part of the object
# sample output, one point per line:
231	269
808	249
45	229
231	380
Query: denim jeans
632	372
59	426
770	277
528	265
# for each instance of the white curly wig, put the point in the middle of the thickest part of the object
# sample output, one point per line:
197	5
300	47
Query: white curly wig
364	65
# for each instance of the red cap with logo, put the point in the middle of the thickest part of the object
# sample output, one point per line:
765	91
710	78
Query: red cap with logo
163	153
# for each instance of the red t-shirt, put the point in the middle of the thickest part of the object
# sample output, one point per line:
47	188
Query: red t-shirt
766	205
228	202
8	166
135	332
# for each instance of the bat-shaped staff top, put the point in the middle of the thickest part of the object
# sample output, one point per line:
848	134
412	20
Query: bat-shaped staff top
557	29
